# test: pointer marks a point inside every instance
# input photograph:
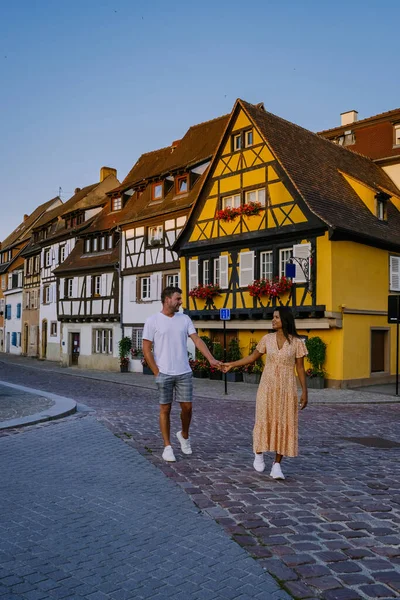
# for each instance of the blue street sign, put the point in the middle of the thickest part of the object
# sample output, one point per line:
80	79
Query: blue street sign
225	314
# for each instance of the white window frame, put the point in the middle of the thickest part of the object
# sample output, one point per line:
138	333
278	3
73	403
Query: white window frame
223	271
95	245
285	254
62	253
97	285
193	273
137	338
4	282
216	272
380	210
266	264
110	242
69	287
394	273
232	201
397	135
174	282
103	339
155	234
237	137
247	144
145	288
116	204
47	257
260	196
206	272
52	324
47	294
246	273
102	243
87	246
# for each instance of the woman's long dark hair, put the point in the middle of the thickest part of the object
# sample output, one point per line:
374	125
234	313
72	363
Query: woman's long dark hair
287	319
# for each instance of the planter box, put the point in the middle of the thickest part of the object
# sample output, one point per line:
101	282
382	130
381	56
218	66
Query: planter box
234	377
147	371
315	383
200	374
217	376
123	368
253	378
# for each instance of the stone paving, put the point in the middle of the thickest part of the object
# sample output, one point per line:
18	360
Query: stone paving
14	403
330	530
84	516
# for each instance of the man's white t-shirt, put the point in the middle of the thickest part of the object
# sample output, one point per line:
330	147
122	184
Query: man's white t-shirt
169	336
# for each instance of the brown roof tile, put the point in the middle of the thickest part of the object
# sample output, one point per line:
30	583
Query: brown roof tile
314	165
391	115
79	261
23	230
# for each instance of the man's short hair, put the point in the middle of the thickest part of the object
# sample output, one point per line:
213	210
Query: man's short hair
169	291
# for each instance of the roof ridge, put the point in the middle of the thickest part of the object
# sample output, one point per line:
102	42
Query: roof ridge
209	121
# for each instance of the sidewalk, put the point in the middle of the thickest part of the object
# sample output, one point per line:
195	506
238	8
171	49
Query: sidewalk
213	389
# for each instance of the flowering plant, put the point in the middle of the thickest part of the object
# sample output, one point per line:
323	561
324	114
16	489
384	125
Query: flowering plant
124	361
136	353
315	373
270	287
199	365
251	209
205	292
230	213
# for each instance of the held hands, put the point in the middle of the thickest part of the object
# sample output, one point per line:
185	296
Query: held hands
225	367
216	363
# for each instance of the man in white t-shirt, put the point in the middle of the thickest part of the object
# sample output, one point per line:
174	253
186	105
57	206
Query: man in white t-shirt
167	332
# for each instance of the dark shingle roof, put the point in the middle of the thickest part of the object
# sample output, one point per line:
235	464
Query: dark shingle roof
23	230
315	166
79	261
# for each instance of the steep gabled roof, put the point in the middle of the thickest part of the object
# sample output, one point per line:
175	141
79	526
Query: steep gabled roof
77	260
315	166
197	146
23	230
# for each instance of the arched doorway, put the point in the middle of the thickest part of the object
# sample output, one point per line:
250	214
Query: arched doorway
44	339
26	339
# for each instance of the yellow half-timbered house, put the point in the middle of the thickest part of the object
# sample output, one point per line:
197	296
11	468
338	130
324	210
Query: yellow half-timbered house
276	195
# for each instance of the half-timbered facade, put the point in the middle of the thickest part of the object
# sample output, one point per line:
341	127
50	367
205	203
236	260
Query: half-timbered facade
155	199
11	263
286	217
89	297
56	235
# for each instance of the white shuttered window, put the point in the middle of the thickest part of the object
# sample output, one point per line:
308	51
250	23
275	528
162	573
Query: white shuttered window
223	271
193	273
395	273
301	251
246	268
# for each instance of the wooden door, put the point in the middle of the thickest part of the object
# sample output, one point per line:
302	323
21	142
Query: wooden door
75	348
26	339
378	351
44	339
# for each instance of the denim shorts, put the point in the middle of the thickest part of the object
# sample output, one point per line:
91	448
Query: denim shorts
181	384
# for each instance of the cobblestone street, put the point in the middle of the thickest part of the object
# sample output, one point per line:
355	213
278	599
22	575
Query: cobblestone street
330	530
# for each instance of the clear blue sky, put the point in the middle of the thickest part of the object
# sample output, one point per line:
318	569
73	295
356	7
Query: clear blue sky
98	82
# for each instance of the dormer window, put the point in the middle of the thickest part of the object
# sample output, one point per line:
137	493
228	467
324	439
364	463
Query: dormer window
155	235
248	138
397	135
157	191
381	205
102	243
347	138
116	204
87	245
181	184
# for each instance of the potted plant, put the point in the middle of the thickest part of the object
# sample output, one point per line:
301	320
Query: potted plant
234	353
316	349
124	347
136	364
218	353
146	368
200	368
252	373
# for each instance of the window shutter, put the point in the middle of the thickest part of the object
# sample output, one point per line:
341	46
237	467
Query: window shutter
18	310
246	268
2	305
154	287
88	286
103	285
8	311
14	338
132	291
50	294
36	298
395	273
223	271
301	251
193	273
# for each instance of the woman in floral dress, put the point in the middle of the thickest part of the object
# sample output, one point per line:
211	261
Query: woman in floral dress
276	425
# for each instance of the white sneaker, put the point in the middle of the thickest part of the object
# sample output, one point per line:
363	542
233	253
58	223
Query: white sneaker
259	463
168	454
276	471
185	444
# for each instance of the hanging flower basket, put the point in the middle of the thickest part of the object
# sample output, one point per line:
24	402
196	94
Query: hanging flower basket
205	292
270	287
249	210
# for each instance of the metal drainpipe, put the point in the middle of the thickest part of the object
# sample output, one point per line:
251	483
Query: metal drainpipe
118	229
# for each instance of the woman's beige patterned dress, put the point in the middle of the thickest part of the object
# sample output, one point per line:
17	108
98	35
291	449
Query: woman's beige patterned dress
276	426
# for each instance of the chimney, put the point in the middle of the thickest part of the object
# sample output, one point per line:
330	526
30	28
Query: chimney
106	171
77	190
25	217
351	116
